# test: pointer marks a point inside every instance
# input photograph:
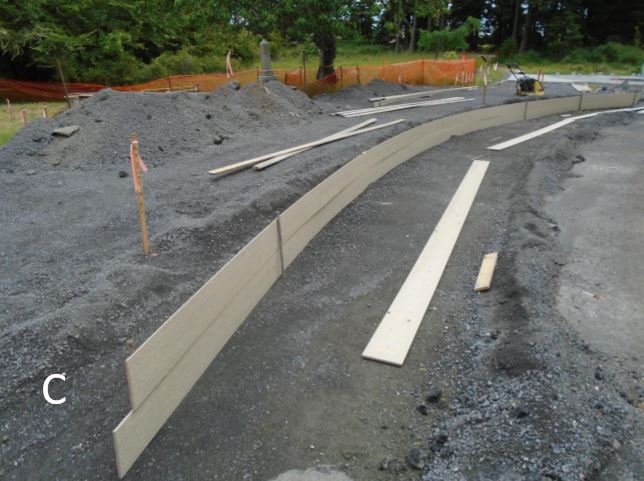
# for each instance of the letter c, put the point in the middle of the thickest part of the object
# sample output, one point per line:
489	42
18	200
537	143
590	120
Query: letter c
45	389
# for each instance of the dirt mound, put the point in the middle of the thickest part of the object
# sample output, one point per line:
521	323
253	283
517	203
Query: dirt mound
375	88
168	125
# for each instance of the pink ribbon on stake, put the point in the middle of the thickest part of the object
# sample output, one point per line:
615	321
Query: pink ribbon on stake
134	158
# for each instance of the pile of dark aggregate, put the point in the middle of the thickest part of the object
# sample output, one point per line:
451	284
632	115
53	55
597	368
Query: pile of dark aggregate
168	125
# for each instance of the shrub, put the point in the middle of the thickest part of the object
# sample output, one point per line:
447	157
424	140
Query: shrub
508	49
441	41
611	52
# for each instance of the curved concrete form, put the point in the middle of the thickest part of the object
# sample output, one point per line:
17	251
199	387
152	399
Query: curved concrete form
166	366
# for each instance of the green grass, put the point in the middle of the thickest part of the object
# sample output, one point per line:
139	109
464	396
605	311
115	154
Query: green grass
10	123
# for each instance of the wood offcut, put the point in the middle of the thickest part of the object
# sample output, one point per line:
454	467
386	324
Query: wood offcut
484	279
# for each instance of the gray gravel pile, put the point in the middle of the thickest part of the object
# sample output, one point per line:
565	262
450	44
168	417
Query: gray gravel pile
168	125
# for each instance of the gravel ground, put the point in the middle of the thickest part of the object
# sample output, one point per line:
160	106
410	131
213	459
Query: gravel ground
289	391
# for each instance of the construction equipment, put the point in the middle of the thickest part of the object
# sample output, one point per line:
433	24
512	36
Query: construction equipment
525	85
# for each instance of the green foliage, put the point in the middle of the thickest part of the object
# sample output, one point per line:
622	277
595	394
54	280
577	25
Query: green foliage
508	49
122	41
563	31
443	40
610	53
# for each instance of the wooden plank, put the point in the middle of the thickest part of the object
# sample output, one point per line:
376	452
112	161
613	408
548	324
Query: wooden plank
473	120
543	108
532	135
393	337
556	125
387	109
403	107
152	361
140	426
308	228
391	99
484	279
606	101
311	202
249	163
279	158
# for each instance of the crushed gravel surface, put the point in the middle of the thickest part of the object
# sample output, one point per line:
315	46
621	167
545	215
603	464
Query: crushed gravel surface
518	397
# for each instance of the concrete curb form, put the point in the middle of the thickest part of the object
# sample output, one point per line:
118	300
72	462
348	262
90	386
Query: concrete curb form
163	370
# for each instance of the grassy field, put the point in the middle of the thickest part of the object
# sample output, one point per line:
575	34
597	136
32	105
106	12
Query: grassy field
11	122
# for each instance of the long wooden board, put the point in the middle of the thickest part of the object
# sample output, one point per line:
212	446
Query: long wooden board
393	338
151	362
532	135
279	158
484	279
140	426
392	99
543	108
606	101
393	108
555	126
249	163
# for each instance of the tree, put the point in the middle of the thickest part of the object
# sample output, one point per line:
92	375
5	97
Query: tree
321	20
443	40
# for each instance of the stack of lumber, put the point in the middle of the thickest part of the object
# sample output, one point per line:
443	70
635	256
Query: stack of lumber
392	99
378	110
267	160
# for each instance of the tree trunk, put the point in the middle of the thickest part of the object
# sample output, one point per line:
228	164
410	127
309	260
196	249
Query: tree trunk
412	34
325	42
526	31
515	24
397	22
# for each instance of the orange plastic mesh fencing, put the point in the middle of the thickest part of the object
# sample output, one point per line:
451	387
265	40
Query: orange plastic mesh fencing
419	72
18	90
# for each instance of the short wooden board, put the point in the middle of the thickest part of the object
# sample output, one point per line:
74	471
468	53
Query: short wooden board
484	279
393	338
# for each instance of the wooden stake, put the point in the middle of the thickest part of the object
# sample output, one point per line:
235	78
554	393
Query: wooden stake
62	79
23	114
44	112
137	165
9	108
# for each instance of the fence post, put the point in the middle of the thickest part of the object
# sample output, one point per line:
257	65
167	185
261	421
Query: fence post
358	68
422	71
23	114
341	78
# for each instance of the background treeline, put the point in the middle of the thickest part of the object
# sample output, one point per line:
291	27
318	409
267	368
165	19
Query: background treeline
122	41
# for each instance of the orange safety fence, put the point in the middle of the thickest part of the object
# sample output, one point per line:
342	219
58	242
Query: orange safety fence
419	72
